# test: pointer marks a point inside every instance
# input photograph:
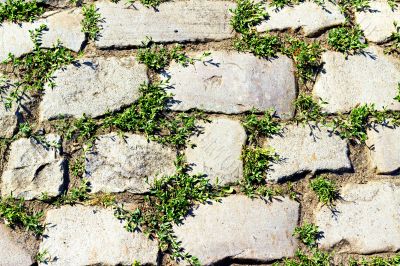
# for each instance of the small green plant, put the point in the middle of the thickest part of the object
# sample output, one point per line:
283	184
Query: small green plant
26	131
376	261
394	47
20	10
43	257
316	258
256	162
16	214
91	22
325	190
308	234
397	98
247	15
265	126
262	45
36	69
348	40
394	4
346	6
307	57
158	57
83	129
146	3
309	109
76	195
78	167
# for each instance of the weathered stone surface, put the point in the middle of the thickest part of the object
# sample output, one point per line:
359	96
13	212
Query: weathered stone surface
33	169
82	235
119	164
377	21
302	150
11	251
366	221
93	87
309	16
234	83
240	228
385	149
193	20
365	78
218	150
9	118
64	26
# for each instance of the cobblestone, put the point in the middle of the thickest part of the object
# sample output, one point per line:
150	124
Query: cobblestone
12	252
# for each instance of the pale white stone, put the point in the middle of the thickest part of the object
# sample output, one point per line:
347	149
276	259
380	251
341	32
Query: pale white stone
93	87
384	149
80	235
34	168
12	252
178	21
240	228
369	78
309	16
128	163
217	151
302	149
377	21
234	83
365	220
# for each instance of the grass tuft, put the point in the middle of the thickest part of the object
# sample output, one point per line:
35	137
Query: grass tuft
247	14
91	21
325	189
308	234
20	10
264	126
348	40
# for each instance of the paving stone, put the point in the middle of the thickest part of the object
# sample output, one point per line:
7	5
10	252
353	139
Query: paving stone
82	235
365	78
33	169
9	117
377	21
93	87
303	150
181	21
64	26
385	149
12	252
119	164
218	150
366	219
240	228
234	83
308	16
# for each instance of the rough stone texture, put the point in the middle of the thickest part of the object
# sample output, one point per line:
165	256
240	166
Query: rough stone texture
367	219
234	83
218	150
93	87
193	20
33	169
11	251
82	235
377	22
302	150
119	164
385	149
9	118
64	26
364	78
240	228
309	16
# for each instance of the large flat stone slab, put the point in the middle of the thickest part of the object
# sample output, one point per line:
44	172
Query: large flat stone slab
93	87
366	219
240	228
302	150
12	252
63	25
80	235
218	150
369	78
178	21
33	168
308	16
118	164
234	83
384	149
377	21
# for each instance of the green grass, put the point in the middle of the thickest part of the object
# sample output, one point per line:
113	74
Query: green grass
146	3
158	57
394	4
325	189
376	261
20	10
75	195
397	98
264	126
83	129
16	214
308	234
262	45
314	258
36	69
91	21
358	5
308	109
347	40
394	47
246	15
78	167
